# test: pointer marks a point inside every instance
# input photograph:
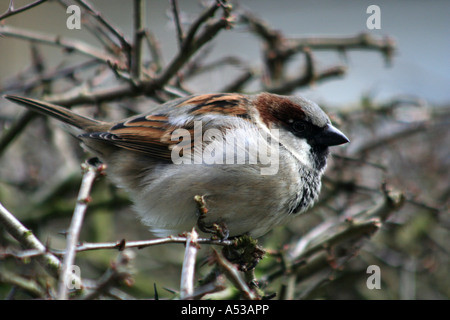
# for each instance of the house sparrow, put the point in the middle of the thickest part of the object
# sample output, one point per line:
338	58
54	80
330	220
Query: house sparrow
257	160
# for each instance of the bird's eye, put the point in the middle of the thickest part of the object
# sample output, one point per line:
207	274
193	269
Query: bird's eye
299	126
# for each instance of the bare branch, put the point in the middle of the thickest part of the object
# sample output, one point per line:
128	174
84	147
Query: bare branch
234	276
139	27
27	239
305	256
120	272
188	270
29	285
238	84
289	85
363	41
105	23
11	11
383	141
190	45
278	49
92	170
15	130
155	50
26	81
119	245
68	44
177	21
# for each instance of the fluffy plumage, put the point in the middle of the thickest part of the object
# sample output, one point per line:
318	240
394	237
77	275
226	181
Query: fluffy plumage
257	160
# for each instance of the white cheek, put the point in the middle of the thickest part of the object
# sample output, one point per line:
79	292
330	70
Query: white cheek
298	147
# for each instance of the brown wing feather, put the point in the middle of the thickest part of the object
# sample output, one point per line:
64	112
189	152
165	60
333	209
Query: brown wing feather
151	134
144	134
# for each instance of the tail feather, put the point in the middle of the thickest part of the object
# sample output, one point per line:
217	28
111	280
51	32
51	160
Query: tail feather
57	112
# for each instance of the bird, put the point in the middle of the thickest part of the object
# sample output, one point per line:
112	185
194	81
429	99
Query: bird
255	159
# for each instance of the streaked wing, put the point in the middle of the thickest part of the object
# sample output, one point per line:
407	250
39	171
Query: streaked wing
147	134
151	134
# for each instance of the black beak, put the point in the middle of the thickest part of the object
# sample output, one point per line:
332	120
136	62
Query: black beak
330	136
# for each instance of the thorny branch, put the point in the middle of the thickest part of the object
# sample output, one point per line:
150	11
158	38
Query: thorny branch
29	241
93	168
118	245
235	277
120	272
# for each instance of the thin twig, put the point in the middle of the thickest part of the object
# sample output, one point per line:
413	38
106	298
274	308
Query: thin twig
92	170
354	229
68	44
11	11
139	27
177	21
29	285
188	270
155	50
104	22
362	224
238	84
192	44
16	128
25	81
195	26
234	276
278	50
362	41
119	245
195	67
146	243
28	240
71	98
291	46
394	137
305	256
119	272
215	285
287	86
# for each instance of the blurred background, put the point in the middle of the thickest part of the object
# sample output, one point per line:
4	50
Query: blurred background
421	66
394	105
